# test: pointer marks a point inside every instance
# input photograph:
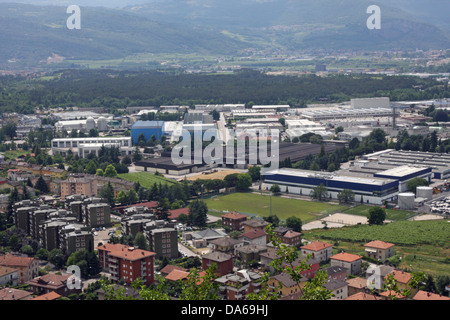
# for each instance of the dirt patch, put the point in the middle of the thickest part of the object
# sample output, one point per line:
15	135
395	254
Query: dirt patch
213	175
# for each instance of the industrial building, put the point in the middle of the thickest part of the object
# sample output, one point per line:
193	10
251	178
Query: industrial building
438	162
371	184
367	190
85	146
346	113
148	129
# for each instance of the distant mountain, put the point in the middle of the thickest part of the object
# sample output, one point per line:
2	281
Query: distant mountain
33	33
303	24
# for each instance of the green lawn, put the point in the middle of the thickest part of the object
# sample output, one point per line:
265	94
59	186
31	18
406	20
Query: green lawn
145	179
256	204
391	214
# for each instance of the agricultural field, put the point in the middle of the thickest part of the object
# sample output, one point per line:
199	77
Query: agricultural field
145	179
422	245
408	233
283	208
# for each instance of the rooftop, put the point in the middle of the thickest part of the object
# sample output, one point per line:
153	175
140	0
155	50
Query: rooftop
317	246
347	257
379	244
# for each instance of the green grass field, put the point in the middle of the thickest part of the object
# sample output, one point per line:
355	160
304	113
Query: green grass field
145	179
283	208
423	245
391	214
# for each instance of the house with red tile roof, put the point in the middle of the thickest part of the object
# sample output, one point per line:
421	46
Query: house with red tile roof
15	294
255	236
234	220
424	295
27	267
127	263
352	262
52	282
223	261
48	296
403	279
362	296
169	268
379	250
319	250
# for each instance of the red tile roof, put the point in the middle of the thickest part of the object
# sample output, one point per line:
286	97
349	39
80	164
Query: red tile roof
176	275
347	257
13	294
317	246
253	234
234	215
9	260
291	234
401	276
423	295
50	280
362	296
175	213
169	268
379	244
125	252
48	296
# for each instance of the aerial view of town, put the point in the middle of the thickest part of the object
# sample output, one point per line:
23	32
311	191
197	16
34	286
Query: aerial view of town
225	151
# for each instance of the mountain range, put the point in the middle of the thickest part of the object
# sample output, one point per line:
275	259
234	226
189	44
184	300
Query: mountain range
33	30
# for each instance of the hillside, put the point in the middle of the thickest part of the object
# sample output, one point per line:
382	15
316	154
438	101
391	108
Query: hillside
37	34
30	34
309	24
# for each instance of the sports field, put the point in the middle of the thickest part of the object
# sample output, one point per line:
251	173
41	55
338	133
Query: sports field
283	208
145	179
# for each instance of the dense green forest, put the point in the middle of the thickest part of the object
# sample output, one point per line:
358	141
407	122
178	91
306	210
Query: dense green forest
120	89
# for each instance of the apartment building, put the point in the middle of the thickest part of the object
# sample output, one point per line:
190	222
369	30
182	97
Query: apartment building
234	220
79	185
127	263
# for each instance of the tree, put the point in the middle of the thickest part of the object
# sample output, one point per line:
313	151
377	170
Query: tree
377	215
132	196
243	181
162	211
107	192
41	185
140	241
412	184
87	261
346	196
110	171
122	197
391	286
201	287
319	193
99	172
141	140
255	173
137	156
275	189
91	167
198	213
56	257
295	223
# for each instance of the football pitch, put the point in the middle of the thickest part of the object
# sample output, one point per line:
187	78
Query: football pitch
283	208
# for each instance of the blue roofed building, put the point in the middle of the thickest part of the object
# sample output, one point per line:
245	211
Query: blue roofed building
148	128
371	187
